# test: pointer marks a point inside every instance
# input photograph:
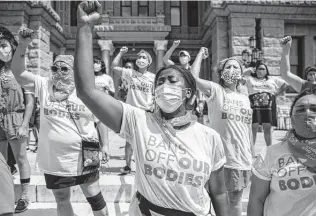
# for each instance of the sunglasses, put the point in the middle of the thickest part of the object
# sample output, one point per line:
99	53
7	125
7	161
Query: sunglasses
62	69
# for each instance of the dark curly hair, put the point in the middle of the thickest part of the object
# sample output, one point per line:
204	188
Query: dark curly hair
103	68
258	64
190	81
7	35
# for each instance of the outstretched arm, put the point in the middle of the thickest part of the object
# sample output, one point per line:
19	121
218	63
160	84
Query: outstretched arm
285	69
116	62
202	85
107	109
23	77
166	58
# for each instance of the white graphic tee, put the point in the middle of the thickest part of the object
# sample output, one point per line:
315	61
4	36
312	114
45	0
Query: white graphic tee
292	186
104	82
59	149
230	115
271	85
172	172
140	88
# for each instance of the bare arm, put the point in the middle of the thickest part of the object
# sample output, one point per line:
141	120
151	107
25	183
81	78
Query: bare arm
107	109
259	191
29	107
282	89
22	76
285	68
166	58
218	193
202	85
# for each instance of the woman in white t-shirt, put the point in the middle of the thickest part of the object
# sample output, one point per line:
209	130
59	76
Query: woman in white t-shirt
263	90
230	114
296	82
284	175
104	83
174	156
68	149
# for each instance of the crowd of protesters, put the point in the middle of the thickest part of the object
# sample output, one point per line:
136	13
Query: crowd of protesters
207	166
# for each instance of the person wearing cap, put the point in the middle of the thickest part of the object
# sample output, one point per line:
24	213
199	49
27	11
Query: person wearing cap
229	114
296	82
140	89
184	56
68	149
16	106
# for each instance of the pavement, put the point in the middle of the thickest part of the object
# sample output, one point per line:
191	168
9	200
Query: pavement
117	189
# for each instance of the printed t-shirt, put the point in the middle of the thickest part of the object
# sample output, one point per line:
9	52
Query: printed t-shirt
292	186
104	81
230	115
171	173
140	88
59	149
270	85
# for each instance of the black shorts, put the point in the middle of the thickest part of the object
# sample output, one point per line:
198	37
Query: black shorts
264	108
59	182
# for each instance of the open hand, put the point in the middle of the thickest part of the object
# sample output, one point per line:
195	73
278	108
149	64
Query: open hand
176	43
89	11
124	49
26	35
286	43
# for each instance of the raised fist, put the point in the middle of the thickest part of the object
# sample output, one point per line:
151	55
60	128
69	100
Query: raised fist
204	52
26	35
89	11
286	43
176	43
124	49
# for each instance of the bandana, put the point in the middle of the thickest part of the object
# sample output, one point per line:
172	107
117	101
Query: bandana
68	59
150	60
175	122
303	150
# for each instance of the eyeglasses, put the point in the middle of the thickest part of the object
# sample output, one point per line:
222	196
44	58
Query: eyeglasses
62	69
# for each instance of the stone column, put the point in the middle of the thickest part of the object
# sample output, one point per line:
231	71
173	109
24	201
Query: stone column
160	47
107	50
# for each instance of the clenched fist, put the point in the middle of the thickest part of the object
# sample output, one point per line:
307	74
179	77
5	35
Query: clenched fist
204	52
286	43
124	49
26	35
89	11
176	43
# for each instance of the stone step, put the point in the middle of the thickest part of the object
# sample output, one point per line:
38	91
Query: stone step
115	189
80	209
84	209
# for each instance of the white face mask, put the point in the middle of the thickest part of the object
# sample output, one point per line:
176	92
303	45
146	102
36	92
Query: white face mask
142	63
184	60
168	97
5	51
97	67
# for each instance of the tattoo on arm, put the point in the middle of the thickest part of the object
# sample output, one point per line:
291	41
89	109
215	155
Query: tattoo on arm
22	55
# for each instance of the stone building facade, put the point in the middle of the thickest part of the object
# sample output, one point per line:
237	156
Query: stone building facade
222	26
